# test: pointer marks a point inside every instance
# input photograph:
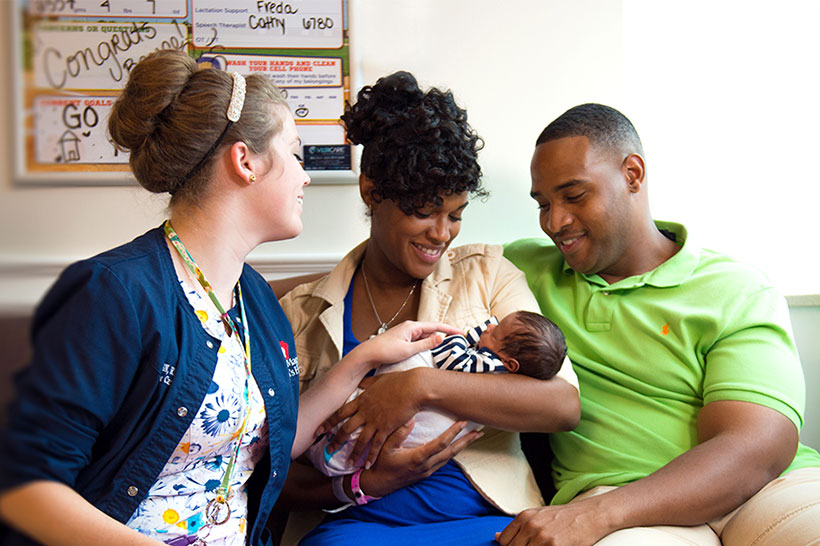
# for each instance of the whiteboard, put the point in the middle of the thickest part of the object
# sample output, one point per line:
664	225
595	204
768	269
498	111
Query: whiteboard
74	57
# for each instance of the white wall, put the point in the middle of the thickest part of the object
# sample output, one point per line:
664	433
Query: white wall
806	322
723	94
513	67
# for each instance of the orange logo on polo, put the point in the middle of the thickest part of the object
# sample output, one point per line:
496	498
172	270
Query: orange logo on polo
665	330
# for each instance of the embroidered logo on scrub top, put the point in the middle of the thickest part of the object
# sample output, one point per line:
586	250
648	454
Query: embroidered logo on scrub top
167	374
293	363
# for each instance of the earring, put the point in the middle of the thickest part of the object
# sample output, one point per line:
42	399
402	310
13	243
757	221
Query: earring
251	178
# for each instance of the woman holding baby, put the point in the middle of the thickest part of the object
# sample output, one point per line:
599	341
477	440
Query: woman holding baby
418	168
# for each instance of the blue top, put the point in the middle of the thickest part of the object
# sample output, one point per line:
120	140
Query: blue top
121	365
349	341
442	509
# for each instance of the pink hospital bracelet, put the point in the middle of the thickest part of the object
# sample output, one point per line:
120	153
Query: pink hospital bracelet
360	496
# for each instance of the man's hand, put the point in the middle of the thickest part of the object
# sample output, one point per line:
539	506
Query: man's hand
742	447
575	524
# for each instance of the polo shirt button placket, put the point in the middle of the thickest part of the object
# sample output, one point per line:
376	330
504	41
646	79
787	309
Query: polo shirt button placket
600	309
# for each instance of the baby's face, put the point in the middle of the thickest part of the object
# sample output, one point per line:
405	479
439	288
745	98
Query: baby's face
493	337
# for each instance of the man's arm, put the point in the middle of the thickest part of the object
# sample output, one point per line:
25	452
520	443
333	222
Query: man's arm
741	447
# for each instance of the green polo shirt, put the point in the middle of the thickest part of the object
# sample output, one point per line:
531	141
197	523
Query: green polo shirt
652	349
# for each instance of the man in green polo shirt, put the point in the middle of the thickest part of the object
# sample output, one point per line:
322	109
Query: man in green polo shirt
691	388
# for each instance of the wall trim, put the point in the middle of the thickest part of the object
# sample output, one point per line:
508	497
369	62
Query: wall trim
804	300
24	281
36	268
278	267
273	266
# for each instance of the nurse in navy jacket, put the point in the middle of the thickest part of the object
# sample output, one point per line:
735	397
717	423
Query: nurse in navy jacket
160	406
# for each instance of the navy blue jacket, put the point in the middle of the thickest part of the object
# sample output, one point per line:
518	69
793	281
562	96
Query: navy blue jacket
120	368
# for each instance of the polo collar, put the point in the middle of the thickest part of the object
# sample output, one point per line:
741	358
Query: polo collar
671	273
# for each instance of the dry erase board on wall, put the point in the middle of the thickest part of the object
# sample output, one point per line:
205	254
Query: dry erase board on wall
74	57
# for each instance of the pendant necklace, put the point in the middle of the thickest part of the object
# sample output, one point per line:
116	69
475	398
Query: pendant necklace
382	324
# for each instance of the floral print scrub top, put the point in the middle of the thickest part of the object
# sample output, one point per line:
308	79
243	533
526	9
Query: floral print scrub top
174	509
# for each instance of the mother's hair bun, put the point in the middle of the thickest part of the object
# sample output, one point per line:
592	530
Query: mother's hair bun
380	108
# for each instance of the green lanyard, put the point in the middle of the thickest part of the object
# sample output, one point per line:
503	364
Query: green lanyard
223	492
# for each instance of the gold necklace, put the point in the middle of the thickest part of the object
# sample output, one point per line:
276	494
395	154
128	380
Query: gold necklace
383	325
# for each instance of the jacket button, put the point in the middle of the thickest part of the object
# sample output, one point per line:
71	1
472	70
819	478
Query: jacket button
182	412
271	392
132	491
209	344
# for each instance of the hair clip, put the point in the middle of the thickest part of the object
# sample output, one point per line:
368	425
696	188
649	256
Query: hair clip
237	97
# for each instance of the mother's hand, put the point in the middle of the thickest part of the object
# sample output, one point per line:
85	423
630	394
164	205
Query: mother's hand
388	402
397	467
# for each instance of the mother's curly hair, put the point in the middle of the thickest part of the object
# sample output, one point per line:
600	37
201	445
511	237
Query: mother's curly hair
418	146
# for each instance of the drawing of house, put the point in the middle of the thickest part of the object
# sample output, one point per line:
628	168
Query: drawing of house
70	145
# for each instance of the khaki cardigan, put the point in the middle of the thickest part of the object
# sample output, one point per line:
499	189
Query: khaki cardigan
468	285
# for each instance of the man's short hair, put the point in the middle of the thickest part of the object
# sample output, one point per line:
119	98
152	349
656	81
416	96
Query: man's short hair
605	127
